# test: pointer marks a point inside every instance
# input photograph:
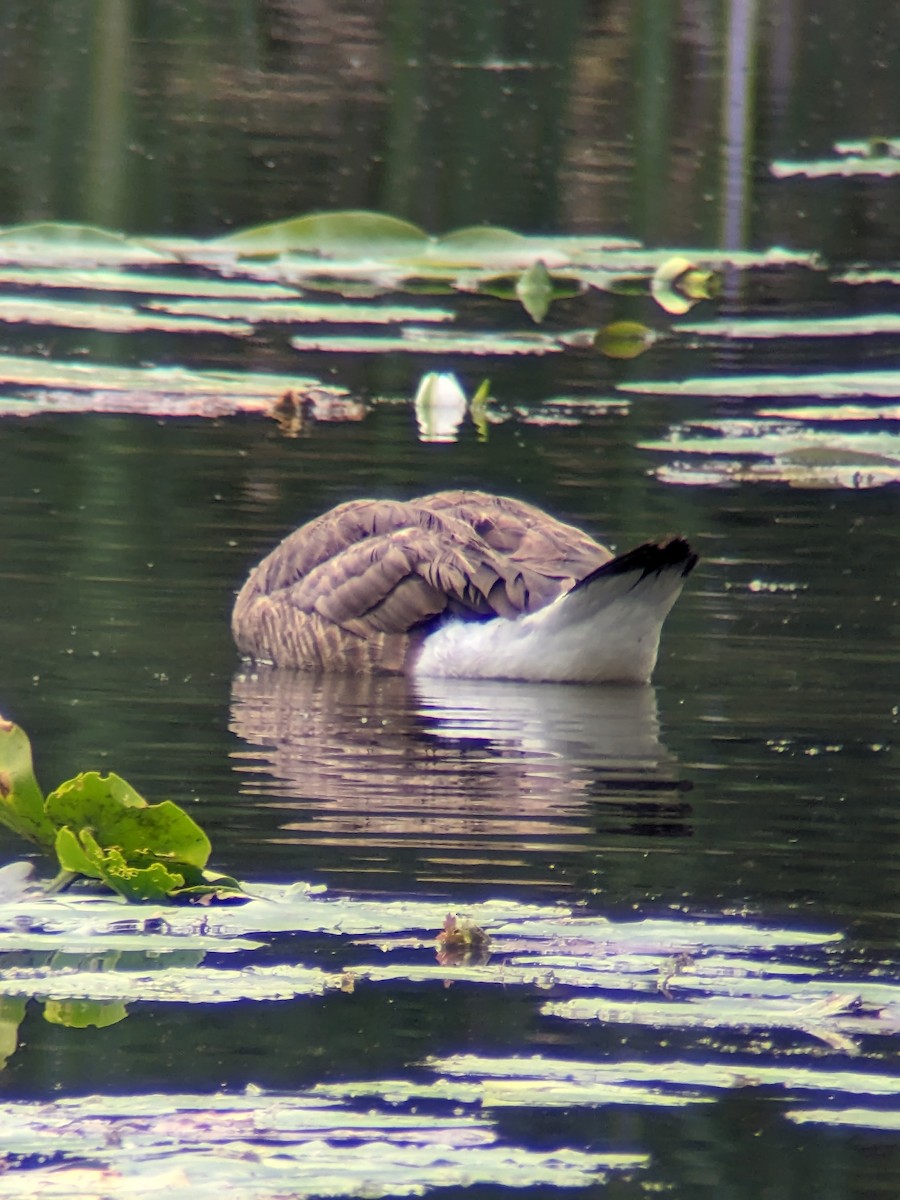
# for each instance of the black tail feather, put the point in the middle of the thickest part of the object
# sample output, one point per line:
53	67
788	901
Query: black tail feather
650	558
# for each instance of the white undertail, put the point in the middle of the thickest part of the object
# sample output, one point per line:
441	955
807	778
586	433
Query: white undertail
605	630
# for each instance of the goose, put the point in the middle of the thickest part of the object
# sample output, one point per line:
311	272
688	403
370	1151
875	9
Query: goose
460	584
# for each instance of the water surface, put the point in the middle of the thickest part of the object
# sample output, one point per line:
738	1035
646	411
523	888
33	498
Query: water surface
753	782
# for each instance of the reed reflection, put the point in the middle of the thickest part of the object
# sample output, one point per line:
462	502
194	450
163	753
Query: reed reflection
475	778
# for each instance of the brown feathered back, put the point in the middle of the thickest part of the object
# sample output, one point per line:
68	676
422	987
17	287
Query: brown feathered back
357	588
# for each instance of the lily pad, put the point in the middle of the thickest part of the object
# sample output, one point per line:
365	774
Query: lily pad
799	455
302	312
173	985
836	413
827	385
624	339
850	166
85	1014
426	341
62	233
143	283
843	1118
787	327
117	318
330	234
265	1146
535	290
68	386
55	241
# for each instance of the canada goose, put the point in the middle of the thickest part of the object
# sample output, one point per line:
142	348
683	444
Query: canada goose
461	584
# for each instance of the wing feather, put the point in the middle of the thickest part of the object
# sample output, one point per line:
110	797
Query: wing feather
378	572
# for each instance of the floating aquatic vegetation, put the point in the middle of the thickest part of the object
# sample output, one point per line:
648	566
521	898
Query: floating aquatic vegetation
518	1080
332	234
759	450
831	1017
298	312
263	1146
534	287
863	276
119	318
52	242
872	147
677	284
255	281
70	386
853	1118
100	827
836	413
172	984
624	339
788	327
145	283
847	165
532	946
826	385
413	340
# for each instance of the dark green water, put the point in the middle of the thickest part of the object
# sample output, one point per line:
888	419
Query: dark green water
757	776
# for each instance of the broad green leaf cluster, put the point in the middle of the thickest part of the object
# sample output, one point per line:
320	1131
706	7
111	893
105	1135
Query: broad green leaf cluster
100	827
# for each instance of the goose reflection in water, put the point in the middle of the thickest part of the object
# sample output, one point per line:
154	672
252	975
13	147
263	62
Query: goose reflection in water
463	773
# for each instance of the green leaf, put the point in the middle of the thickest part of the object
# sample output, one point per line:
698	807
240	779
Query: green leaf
678	284
478	409
624	339
535	290
147	879
21	800
118	816
72	857
491	247
152	882
83	1014
54	232
12	1013
330	234
207	883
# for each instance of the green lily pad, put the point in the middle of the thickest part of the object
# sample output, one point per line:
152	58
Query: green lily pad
535	290
331	235
56	232
21	800
848	165
767	327
825	384
624	339
12	1014
60	240
144	284
85	1014
120	817
301	311
484	247
677	284
428	341
271	1145
116	318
